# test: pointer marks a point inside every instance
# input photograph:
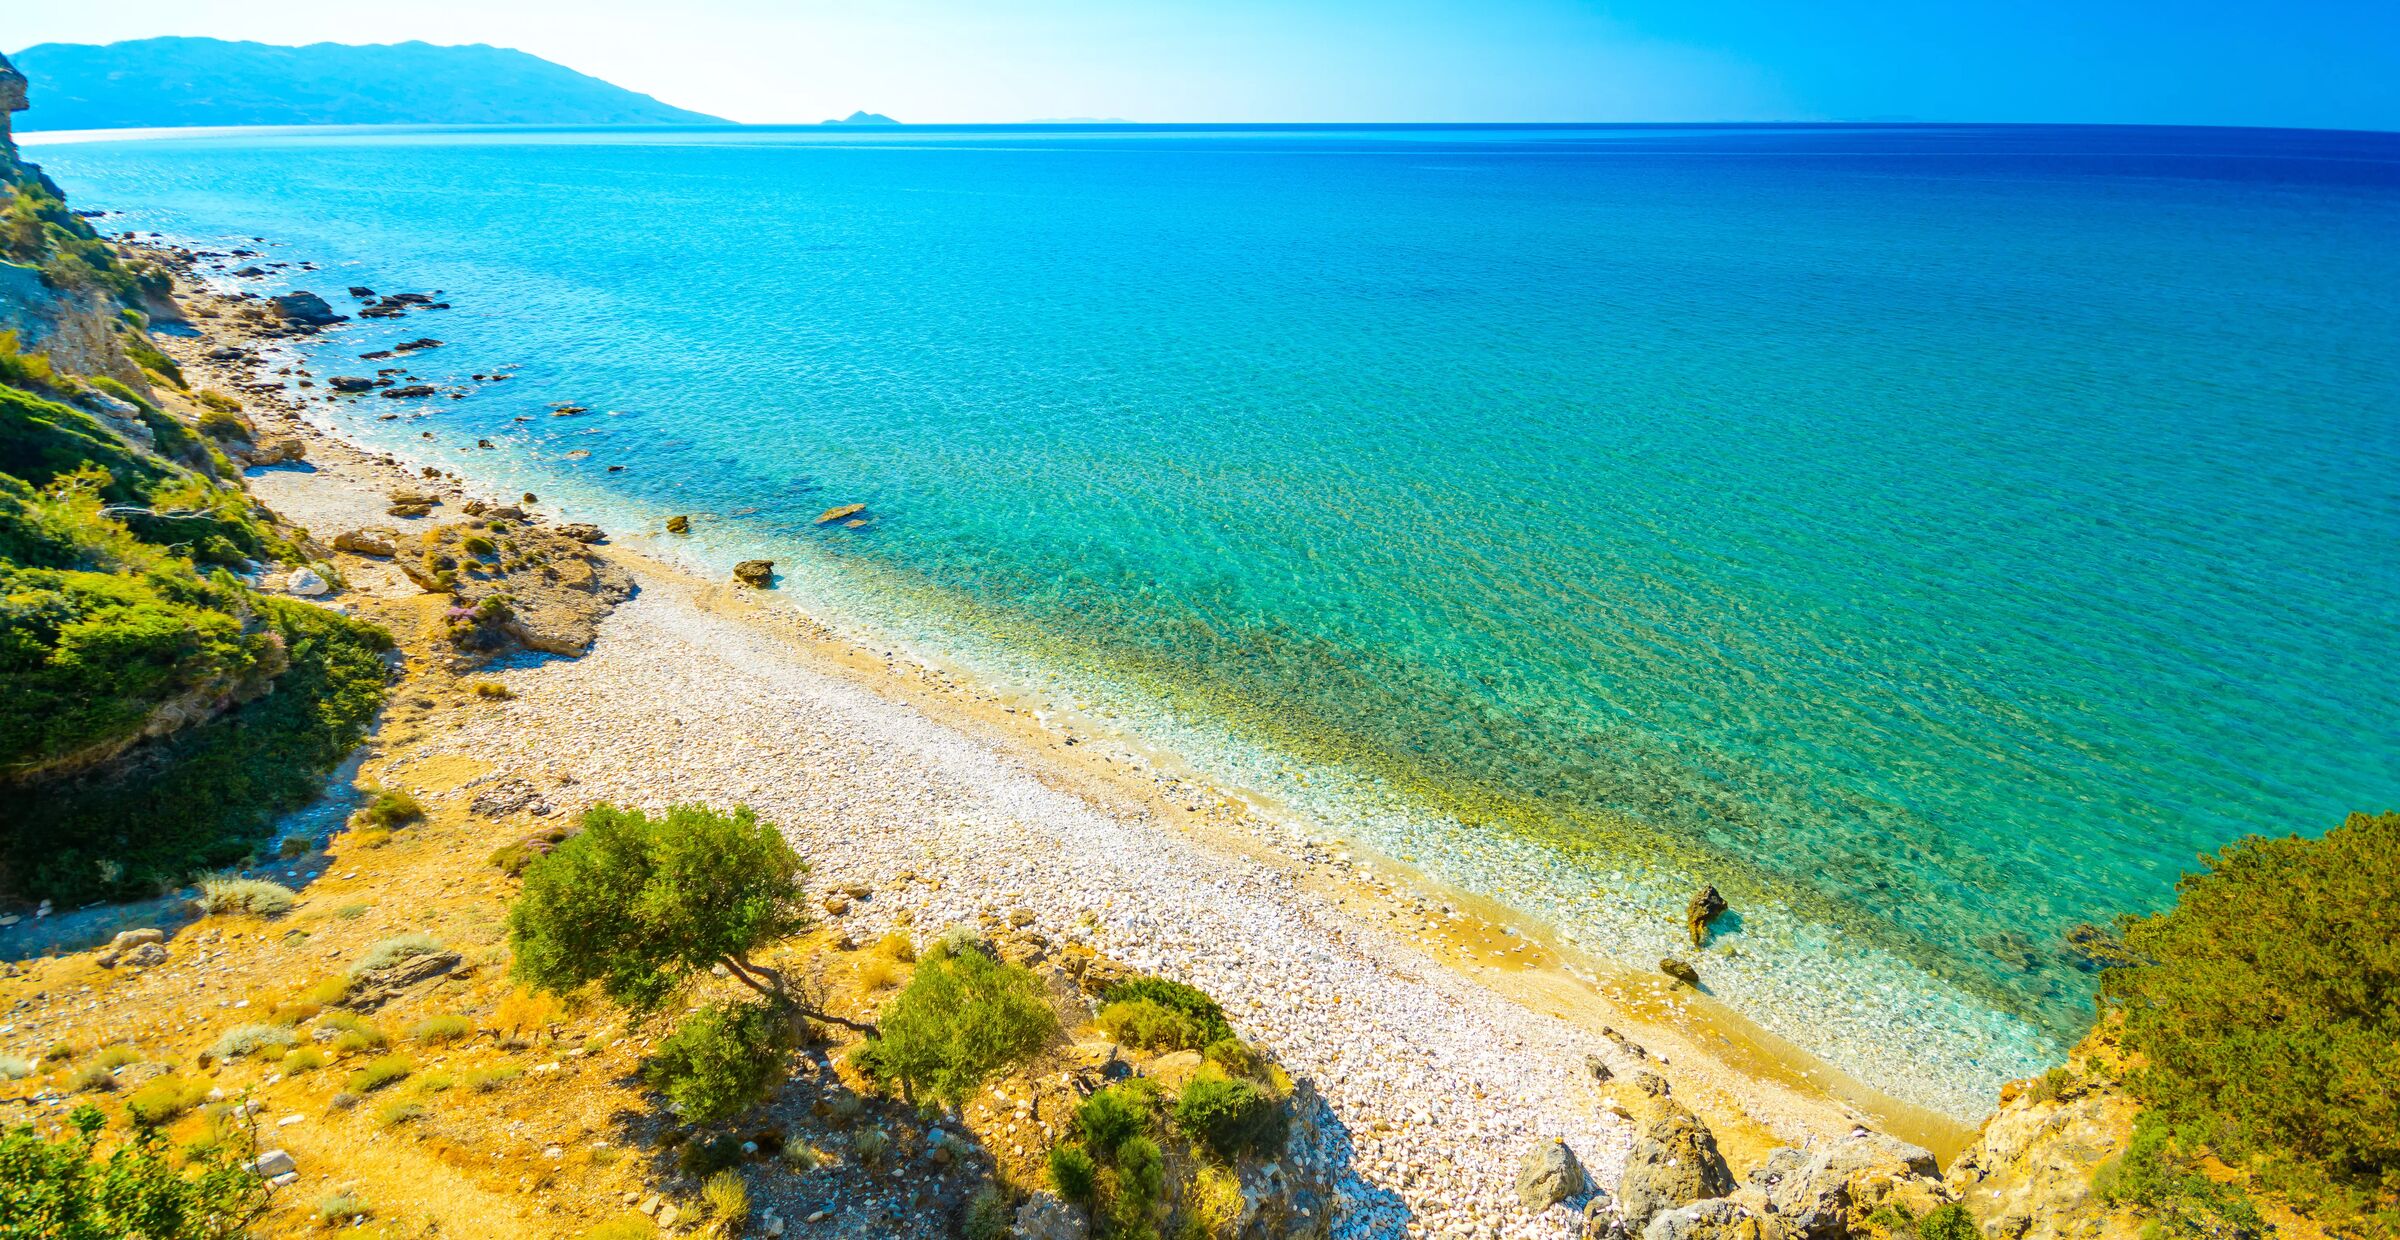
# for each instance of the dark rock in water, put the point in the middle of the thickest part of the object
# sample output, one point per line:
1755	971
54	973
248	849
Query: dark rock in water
679	524
361	291
531	498
421	342
377	356
483	443
1680	971
305	307
226	353
251	271
1703	909
380	312
413	389
350	383
410	299
759	573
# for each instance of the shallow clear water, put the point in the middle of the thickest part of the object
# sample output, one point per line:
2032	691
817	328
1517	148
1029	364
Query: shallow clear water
1935	535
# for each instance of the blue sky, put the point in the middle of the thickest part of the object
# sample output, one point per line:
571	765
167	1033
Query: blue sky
2327	63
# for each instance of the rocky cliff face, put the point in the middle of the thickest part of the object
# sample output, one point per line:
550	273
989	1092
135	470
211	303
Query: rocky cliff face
2029	1173
12	97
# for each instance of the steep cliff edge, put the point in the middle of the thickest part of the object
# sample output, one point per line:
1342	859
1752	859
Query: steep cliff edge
157	707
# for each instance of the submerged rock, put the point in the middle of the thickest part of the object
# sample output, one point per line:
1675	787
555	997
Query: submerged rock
837	514
306	308
679	524
1680	971
1703	909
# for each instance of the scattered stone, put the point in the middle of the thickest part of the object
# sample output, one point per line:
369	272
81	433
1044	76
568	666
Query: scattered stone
1548	1175
305	582
679	524
274	1162
350	383
408	391
373	989
305	308
148	955
372	541
757	573
1045	1216
1680	971
582	532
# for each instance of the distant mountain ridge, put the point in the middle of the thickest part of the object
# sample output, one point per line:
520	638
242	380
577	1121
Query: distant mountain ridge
143	83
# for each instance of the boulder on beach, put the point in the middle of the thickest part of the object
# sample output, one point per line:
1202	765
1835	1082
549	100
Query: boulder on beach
1674	1162
380	543
582	531
1548	1175
1829	1194
759	573
1680	971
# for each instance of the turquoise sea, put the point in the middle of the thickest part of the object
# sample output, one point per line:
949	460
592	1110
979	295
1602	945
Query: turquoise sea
1936	537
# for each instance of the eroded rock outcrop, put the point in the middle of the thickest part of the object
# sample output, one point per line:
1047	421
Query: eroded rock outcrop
2028	1174
515	585
1674	1162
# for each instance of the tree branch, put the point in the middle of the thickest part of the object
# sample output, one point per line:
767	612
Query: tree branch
769	983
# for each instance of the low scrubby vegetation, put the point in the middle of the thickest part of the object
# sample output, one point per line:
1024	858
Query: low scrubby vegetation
65	1189
2264	1009
962	1017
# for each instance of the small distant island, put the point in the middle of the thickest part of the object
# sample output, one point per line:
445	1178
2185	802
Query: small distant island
863	118
146	83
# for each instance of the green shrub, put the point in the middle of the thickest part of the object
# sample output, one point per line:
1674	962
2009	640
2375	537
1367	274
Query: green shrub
306	1059
1111	1116
1142	1023
226	426
441	1029
388	809
704	1158
395	949
243	1040
1231	1117
294	846
163	1099
639	905
255	896
113	387
212	399
485	1080
960	1019
626	1227
380	1072
62	1190
1235	1057
721	1061
147	356
1175	997
1950	1222
339	1208
20	369
1140	1177
869	1145
2161	1177
92	1077
1072	1173
398	1111
2263	1009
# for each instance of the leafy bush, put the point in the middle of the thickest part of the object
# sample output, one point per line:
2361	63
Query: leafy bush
393	950
255	896
336	1209
306	1059
1110	1117
705	1158
243	1040
1073	1174
492	691
2159	1176
1140	1177
1142	1023
869	1145
2264	1013
294	846
398	1111
485	1080
1231	1117
638	904
961	1018
1175	997
1950	1222
163	1099
379	1072
721	1061
441	1029
1235	1057
988	1216
226	426
61	1190
388	809
212	399
20	369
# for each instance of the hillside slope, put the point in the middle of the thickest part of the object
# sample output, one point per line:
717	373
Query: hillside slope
185	81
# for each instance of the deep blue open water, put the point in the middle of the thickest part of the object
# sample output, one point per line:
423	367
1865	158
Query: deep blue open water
1936	537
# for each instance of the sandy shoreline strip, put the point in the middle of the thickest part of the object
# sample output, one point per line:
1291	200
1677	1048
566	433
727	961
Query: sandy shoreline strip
1445	1044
